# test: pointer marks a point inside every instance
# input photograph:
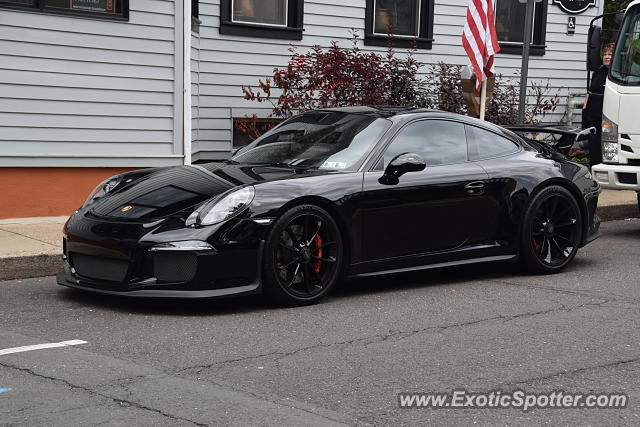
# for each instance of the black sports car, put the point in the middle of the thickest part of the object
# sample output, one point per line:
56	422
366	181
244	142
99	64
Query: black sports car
345	192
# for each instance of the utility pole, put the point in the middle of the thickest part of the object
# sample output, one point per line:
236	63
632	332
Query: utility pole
524	69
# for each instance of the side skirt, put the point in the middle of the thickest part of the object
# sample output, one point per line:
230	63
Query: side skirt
439	265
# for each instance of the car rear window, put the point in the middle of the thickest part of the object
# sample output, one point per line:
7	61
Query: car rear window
485	145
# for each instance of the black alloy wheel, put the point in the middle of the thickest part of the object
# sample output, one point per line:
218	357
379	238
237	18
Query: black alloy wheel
552	230
303	256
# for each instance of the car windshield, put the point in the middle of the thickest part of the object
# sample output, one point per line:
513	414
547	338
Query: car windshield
317	139
625	66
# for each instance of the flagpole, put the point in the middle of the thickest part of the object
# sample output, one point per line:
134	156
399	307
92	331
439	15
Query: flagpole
483	99
481	52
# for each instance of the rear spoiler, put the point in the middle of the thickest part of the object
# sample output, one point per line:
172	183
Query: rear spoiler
568	135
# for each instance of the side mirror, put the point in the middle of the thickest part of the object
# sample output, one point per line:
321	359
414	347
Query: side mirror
593	49
401	164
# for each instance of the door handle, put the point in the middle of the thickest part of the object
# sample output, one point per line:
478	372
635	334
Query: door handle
475	188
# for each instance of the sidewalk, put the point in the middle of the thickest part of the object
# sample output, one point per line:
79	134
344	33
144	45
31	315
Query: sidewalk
32	247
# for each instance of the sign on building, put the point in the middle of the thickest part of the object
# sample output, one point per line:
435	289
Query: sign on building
575	6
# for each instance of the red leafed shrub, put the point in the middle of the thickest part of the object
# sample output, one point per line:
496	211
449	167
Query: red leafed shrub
336	77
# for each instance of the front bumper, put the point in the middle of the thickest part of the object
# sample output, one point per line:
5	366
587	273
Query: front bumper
200	284
137	260
618	177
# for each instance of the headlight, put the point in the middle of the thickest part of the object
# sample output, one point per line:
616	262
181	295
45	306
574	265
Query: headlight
103	188
609	141
225	207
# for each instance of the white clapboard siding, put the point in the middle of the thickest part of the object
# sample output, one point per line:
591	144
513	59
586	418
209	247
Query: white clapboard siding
227	62
78	91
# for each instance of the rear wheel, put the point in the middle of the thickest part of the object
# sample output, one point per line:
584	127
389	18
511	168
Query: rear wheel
551	231
303	256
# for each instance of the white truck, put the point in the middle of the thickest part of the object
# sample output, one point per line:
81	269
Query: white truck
620	169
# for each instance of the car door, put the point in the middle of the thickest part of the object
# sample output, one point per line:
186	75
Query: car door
437	209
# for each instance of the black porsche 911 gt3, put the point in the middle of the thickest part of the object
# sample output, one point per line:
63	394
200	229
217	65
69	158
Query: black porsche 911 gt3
345	192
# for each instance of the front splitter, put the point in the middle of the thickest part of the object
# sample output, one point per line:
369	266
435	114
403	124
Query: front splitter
253	288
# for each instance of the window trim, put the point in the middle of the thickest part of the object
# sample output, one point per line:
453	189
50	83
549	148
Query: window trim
39	6
292	31
538	41
424	40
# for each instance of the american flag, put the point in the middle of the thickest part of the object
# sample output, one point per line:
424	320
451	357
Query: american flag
479	38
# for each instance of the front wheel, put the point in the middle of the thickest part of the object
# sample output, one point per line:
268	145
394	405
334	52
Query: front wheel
303	256
551	230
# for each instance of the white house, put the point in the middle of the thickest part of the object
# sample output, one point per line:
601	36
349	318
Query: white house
136	83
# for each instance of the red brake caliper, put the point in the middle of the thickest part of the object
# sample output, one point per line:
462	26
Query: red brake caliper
318	243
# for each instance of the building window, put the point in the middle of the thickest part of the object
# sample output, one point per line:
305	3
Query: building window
112	9
279	19
409	21
195	9
195	16
269	12
510	17
247	129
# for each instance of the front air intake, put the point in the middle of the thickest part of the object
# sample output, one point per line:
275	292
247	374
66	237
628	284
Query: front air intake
100	268
178	266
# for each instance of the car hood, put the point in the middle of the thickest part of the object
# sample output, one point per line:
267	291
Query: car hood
161	192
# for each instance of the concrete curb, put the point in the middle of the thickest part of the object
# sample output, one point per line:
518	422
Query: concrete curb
618	212
23	267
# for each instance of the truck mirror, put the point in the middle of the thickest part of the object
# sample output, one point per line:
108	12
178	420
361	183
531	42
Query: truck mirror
593	49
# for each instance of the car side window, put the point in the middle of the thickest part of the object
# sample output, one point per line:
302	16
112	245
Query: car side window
438	142
484	144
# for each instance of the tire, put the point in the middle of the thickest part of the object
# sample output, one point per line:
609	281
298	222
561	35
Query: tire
303	256
551	231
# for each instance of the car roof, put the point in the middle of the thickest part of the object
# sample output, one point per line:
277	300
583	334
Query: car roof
379	111
408	113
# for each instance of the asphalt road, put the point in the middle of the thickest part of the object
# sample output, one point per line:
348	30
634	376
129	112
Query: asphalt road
243	362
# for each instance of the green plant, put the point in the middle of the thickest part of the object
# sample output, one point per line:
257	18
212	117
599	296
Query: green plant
502	108
445	88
